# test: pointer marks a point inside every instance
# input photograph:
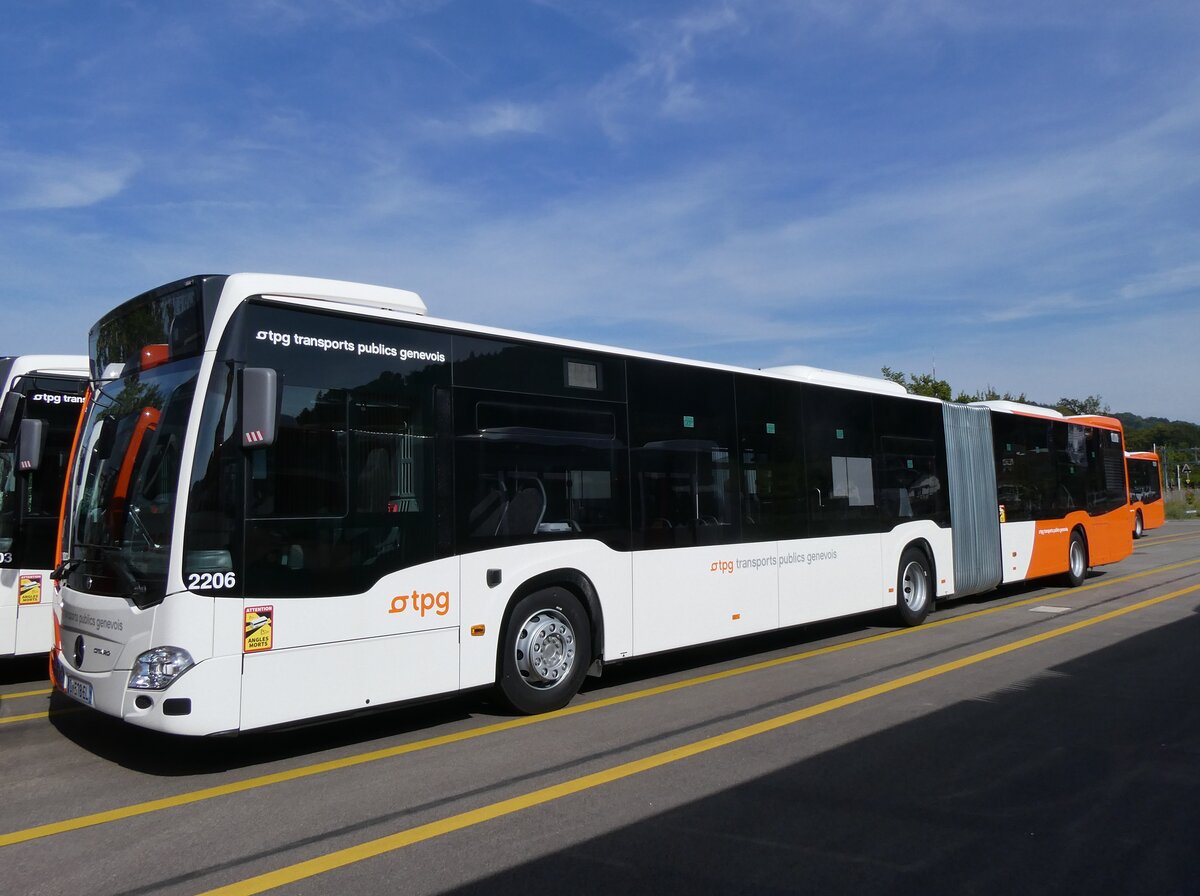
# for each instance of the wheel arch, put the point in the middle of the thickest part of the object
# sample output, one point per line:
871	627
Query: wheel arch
576	583
1087	548
916	552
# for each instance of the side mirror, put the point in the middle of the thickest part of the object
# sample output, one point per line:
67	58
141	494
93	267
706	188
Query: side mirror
260	407
106	437
10	413
31	441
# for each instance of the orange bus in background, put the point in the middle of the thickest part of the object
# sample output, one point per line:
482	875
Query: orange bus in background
1145	491
1062	489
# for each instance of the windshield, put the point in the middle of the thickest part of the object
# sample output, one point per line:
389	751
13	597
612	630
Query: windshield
128	478
30	499
8	502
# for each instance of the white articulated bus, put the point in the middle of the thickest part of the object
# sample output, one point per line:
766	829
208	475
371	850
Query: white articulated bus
42	399
296	498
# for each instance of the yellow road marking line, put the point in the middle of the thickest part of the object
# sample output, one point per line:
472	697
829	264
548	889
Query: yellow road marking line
45	713
183	799
372	848
1149	541
8	720
42	693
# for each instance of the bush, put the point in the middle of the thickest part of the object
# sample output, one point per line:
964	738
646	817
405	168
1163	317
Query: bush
1182	505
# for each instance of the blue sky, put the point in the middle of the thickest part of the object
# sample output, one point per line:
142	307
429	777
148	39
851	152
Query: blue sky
1008	193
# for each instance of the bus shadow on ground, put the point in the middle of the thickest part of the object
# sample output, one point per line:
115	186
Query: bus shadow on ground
171	755
154	753
24	670
1082	779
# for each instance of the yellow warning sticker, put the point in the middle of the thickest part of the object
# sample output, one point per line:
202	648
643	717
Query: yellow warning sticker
31	590
260	624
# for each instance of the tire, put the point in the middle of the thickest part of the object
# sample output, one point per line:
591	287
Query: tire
1139	527
914	588
1077	560
545	651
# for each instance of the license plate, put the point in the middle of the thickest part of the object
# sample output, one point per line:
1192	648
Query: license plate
80	690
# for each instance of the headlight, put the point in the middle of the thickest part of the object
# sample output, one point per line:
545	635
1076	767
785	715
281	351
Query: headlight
156	669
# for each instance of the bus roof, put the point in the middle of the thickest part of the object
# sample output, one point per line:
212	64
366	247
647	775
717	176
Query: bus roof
344	291
380	298
51	365
822	377
1033	410
1016	407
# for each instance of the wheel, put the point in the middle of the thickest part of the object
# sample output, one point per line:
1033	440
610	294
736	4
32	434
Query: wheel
1077	560
1139	528
914	587
545	651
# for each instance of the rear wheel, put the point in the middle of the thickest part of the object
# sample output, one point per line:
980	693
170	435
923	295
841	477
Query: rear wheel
1077	560
545	651
914	588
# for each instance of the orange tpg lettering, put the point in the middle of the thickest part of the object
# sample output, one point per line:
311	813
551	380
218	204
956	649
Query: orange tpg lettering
422	603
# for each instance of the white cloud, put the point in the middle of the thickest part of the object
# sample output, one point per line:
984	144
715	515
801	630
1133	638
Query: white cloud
286	14
505	118
29	182
657	80
1159	284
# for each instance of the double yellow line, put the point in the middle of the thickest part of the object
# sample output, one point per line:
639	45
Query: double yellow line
373	848
196	796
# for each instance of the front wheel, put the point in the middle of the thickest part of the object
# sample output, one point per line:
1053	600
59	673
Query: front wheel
1077	560
1139	527
545	651
914	588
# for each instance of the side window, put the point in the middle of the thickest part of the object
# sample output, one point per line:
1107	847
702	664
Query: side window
533	468
485	362
773	504
911	472
1072	444
1015	492
304	473
346	494
1106	471
683	443
1027	471
839	452
213	536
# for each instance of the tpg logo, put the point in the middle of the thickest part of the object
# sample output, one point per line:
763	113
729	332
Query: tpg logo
54	398
421	603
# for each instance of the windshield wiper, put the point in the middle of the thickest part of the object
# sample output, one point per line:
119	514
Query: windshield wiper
135	514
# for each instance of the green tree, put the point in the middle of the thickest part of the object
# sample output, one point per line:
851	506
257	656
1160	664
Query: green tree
919	383
991	394
1073	407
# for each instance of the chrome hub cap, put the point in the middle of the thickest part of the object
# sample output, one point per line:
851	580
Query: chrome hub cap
915	586
1077	561
545	649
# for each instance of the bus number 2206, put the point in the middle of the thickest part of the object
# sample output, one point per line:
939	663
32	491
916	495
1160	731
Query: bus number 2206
211	580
